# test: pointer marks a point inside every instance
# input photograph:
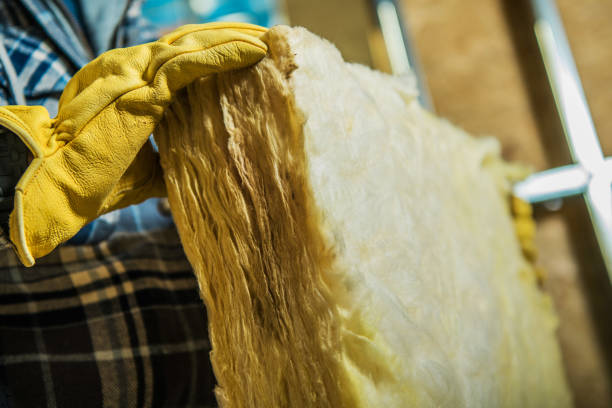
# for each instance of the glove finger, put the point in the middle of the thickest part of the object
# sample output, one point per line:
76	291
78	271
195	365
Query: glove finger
245	28
120	70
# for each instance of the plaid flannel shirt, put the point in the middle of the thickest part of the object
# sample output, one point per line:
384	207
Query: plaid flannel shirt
118	323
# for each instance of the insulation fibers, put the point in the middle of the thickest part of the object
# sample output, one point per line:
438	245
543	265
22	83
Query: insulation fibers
352	249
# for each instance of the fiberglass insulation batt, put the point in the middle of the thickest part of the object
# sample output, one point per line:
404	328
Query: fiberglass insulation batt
352	249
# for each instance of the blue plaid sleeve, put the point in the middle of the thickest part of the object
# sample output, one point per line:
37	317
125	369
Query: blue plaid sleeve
41	72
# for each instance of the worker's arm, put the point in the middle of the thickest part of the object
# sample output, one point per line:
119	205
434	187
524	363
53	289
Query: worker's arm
90	159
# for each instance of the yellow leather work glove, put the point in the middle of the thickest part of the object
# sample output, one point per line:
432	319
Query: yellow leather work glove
94	156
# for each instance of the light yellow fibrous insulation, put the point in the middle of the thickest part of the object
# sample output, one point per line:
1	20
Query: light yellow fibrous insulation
352	249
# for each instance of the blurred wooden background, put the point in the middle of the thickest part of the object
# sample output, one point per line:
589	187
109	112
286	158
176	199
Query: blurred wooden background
483	69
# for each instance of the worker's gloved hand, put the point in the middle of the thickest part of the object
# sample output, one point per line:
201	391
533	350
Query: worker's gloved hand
94	156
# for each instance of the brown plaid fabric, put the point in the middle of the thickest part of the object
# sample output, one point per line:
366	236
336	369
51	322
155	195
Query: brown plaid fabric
118	324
